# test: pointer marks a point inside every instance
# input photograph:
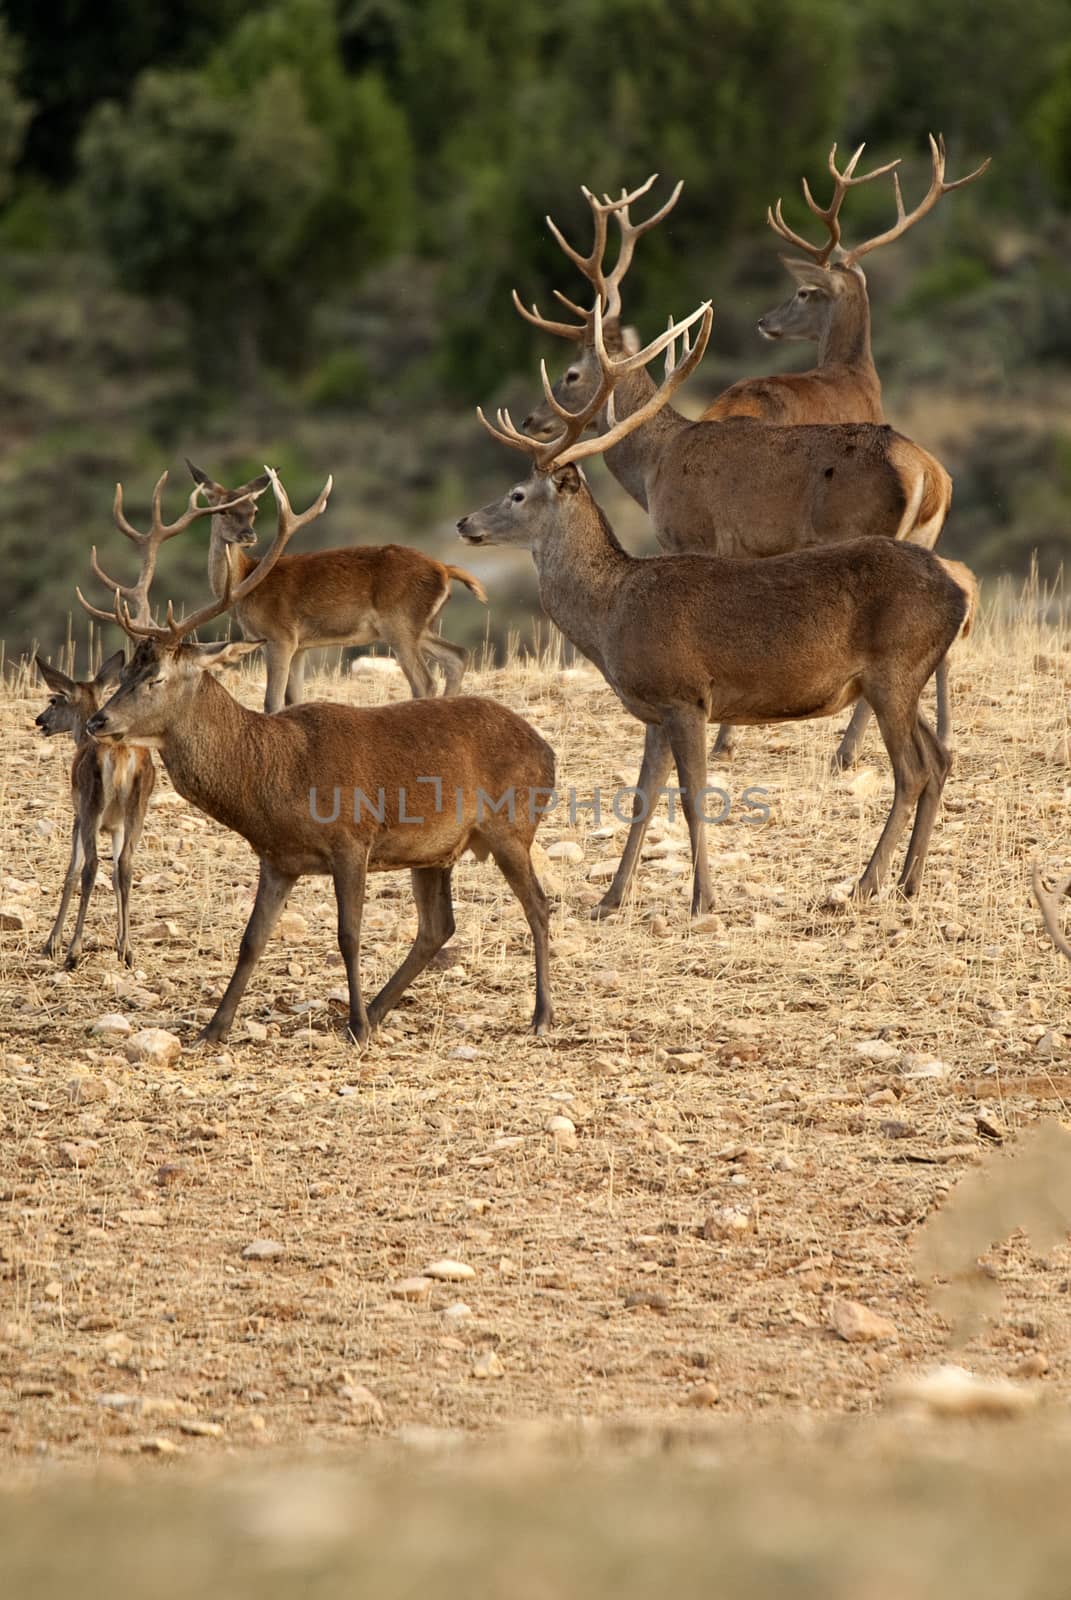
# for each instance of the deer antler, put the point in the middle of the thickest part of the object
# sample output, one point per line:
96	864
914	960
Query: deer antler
1048	903
607	286
176	630
937	188
570	445
830	215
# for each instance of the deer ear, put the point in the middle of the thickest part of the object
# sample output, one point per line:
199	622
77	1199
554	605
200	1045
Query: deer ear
213	657
567	479
109	670
806	273
630	341
254	488
57	681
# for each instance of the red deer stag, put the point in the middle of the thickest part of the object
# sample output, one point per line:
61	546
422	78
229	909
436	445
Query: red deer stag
110	788
338	791
739	488
687	639
830	307
366	594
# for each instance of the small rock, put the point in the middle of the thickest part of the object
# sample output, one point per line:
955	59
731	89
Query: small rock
893	1129
876	1050
114	1024
665	1143
448	1271
1050	1044
857	1324
364	1405
487	1365
163	932
117	1347
651	1299
160	1446
292	927
951	1391
153	1047
170	1173
145	1217
728	1222
562	1129
256	1031
601	871
411	1288
465	1052
13	919
77	1153
458	1311
263	1250
83	1089
565	850
200	1430
1034	1365
702	1395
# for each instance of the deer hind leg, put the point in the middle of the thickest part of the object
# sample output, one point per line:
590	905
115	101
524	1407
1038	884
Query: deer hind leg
910	776
121	876
726	742
453	658
687	738
89	877
515	864
280	655
848	750
944	704
52	944
435	925
350	875
406	641
295	682
273	890
654	769
937	760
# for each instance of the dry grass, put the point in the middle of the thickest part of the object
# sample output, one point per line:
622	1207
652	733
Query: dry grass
705	1071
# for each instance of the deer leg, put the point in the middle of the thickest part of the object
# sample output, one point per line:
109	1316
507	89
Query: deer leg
121	876
848	749
406	647
937	762
435	925
725	743
350	875
273	890
453	658
295	682
280	654
654	769
944	704
52	944
909	779
687	739
89	878
515	865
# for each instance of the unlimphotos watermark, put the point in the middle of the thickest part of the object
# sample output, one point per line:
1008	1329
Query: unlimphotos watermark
625	804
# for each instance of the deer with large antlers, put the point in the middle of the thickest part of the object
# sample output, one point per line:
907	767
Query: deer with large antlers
831	308
738	488
365	594
338	791
110	787
684	640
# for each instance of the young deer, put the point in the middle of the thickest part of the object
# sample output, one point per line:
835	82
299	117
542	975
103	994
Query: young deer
687	639
830	307
338	791
738	488
367	594
109	789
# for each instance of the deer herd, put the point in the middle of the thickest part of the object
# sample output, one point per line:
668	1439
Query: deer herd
798	578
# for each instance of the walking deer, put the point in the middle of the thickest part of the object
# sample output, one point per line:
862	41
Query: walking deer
831	308
337	791
367	594
109	789
741	487
687	639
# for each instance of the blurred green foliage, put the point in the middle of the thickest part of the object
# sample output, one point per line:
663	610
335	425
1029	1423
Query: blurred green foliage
293	225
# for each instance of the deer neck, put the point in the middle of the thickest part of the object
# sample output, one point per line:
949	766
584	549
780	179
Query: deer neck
636	458
210	745
579	571
224	558
846	341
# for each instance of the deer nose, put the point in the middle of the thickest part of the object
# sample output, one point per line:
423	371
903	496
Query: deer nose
96	723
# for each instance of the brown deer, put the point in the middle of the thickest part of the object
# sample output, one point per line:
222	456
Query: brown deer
1049	905
830	307
338	791
367	594
687	639
738	488
110	789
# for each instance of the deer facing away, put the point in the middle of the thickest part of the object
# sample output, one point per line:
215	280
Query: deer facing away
333	790
110	789
741	487
686	639
356	595
830	307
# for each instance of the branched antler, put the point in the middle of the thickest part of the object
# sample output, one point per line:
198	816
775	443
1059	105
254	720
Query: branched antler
830	215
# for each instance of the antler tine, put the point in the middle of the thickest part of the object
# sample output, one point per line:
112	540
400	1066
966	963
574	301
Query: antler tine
590	265
1048	902
906	220
612	370
563	330
109	583
829	215
95	611
507	433
630	232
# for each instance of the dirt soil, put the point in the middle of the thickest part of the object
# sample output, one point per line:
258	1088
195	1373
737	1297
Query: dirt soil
766	1105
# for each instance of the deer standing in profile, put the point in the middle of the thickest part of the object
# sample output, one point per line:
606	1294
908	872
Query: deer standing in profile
687	639
357	595
110	788
739	488
831	308
337	791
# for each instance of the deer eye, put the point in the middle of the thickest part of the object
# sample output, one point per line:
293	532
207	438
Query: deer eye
572	375
516	495
804	294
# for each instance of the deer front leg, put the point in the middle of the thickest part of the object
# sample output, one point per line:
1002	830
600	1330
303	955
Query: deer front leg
657	759
406	647
280	653
350	873
295	683
88	829
121	876
273	890
687	737
52	944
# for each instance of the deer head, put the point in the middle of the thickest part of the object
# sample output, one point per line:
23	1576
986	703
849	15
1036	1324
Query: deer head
234	510
73	701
